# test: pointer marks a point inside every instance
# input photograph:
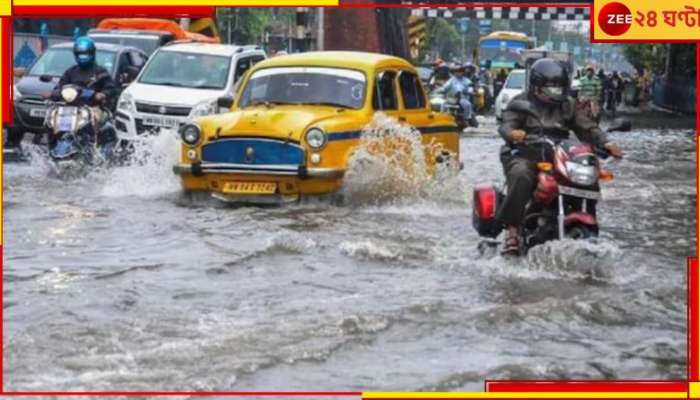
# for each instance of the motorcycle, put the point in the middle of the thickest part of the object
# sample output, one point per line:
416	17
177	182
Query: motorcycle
482	99
568	189
79	135
451	105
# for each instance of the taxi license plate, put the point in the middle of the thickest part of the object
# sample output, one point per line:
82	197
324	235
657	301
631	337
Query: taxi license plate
162	122
586	194
249	188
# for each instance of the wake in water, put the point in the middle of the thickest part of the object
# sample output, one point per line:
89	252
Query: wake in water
392	162
148	172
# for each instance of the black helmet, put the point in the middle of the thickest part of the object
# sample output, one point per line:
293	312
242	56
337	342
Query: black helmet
549	80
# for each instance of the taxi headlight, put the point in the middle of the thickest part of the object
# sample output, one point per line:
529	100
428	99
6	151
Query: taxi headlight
190	134
315	138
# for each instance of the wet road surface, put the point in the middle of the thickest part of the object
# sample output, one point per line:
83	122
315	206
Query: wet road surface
116	281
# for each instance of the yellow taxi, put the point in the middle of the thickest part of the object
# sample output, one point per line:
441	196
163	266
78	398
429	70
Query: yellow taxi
296	120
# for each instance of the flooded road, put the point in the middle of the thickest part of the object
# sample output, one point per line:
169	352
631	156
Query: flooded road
117	282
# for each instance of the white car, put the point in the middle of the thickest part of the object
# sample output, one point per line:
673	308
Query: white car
181	81
515	84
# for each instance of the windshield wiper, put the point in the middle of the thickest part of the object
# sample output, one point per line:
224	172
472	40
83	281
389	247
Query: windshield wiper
326	103
205	87
266	103
164	83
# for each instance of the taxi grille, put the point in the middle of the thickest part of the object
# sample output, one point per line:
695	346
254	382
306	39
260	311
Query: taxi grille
253	151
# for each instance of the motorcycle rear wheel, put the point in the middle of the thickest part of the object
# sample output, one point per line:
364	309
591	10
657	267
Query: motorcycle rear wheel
578	232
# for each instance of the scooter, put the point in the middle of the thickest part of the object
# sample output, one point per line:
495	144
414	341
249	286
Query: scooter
79	135
568	189
451	105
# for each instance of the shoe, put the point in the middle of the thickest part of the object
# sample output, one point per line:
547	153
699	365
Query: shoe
511	246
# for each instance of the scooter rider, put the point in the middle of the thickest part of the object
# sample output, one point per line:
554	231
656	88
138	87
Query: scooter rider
459	84
87	74
547	93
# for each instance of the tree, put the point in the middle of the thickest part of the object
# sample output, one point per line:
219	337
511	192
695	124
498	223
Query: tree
651	56
443	38
247	24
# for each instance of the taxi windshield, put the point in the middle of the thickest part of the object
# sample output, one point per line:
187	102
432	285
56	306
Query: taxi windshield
335	87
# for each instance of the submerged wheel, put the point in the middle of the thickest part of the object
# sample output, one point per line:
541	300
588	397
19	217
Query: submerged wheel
580	232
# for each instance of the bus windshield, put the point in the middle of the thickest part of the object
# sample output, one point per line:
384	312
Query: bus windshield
502	53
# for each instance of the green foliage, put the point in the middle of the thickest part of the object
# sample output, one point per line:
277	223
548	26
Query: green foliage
651	56
442	39
247	24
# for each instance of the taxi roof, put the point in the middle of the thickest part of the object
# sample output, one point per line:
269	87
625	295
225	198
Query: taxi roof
348	59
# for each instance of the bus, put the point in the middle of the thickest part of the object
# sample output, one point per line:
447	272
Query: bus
503	50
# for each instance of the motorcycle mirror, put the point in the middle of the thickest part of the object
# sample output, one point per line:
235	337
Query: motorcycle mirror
46	78
19	72
620	125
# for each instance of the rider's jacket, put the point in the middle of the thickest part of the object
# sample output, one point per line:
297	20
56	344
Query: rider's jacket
456	85
565	115
96	78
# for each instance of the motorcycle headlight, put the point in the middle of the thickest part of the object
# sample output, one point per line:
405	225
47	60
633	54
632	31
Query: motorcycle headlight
69	94
316	138
585	175
481	90
203	108
126	103
190	134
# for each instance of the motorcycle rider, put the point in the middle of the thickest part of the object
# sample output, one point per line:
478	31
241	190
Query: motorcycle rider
499	81
459	84
87	74
440	75
547	93
485	79
615	87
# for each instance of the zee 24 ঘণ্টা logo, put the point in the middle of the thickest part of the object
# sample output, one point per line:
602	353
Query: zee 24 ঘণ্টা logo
616	19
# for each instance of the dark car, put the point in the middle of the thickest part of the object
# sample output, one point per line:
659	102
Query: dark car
30	91
145	40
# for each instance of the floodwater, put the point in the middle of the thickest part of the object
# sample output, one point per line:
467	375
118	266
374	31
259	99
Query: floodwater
116	281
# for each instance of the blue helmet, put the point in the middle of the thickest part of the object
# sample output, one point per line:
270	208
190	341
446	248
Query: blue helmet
84	51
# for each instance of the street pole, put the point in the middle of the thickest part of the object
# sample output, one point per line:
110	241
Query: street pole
229	28
319	35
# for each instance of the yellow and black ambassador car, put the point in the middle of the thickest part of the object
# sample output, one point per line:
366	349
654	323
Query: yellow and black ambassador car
295	122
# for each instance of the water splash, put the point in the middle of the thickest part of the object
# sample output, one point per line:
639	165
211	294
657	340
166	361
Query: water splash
577	259
392	162
149	170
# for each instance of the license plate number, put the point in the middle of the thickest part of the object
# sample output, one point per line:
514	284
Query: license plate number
249	187
37	112
163	122
585	194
